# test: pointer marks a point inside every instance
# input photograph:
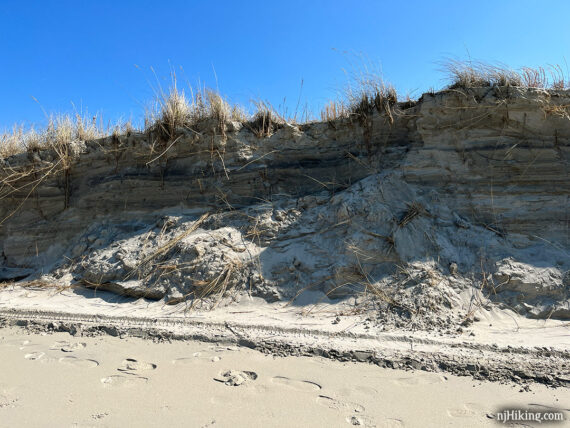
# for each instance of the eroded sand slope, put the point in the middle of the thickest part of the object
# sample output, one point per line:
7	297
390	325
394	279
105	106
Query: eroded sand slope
464	192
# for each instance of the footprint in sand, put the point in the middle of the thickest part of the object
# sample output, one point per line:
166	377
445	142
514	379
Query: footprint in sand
49	360
34	355
368	422
543	408
97	416
66	346
333	403
58	345
206	356
420	379
197	356
7	401
299	385
226	348
390	423
22	344
366	389
73	347
130	364
123	381
184	361
346	392
468	410
79	362
461	412
235	377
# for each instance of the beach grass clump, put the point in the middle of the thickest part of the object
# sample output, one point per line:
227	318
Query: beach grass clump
361	102
176	108
334	110
265	121
172	110
61	130
478	74
467	74
12	142
372	95
366	92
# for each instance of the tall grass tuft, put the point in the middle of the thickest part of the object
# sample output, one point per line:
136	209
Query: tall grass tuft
370	92
334	110
60	131
12	142
365	93
477	74
175	108
266	120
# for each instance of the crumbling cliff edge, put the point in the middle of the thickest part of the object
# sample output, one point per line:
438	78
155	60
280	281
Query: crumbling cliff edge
423	210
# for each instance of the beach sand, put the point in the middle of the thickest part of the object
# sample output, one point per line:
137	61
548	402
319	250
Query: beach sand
55	379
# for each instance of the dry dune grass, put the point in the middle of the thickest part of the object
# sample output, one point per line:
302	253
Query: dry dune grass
37	284
12	142
369	93
174	107
472	74
266	120
365	93
333	110
60	131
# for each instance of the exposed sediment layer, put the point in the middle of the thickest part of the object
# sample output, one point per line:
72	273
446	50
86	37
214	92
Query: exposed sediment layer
464	190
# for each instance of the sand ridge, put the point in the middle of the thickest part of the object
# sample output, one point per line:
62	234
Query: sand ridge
501	346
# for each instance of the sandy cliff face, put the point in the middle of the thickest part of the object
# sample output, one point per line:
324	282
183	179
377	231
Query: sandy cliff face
501	157
464	193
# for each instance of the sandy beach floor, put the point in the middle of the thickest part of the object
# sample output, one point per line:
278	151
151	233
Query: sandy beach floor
55	379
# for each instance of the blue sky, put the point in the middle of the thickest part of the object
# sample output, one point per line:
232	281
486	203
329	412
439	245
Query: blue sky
97	55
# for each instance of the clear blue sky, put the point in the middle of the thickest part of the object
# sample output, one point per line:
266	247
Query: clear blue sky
85	52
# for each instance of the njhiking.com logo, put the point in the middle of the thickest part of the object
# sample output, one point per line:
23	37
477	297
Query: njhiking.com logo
525	415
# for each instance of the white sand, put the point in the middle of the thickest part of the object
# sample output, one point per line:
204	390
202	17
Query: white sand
60	380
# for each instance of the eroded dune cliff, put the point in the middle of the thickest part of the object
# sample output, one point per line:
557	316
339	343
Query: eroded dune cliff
416	209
